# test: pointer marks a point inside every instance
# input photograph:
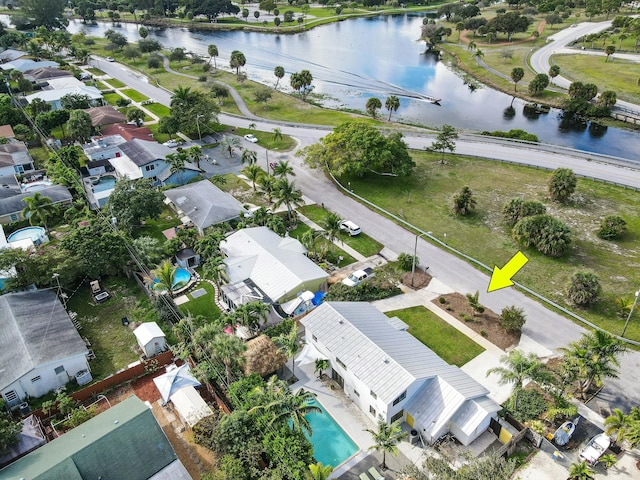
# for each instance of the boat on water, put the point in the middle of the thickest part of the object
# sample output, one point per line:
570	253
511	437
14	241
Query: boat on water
564	432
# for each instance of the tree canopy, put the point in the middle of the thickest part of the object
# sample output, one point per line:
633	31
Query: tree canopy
213	8
49	13
357	148
133	201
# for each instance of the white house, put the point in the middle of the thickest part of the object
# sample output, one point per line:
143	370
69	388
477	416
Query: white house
392	376
40	349
53	97
151	339
263	266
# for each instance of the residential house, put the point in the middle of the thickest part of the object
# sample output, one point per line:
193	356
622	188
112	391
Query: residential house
11	54
128	131
124	441
15	159
40	349
11	206
106	115
6	131
26	64
42	75
203	204
103	148
53	97
144	159
263	266
390	375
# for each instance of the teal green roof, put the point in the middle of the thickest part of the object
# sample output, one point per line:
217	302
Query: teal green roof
124	442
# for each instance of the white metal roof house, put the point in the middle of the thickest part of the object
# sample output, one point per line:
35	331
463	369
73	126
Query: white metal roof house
278	267
40	349
391	375
53	97
151	339
203	204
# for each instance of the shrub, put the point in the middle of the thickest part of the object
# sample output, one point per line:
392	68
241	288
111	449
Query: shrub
442	300
584	289
463	201
516	209
123	102
611	227
546	234
202	78
512	318
531	405
154	61
405	261
562	184
484	333
365	292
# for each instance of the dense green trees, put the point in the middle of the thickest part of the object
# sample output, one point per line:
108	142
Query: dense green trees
538	84
212	8
509	23
356	148
48	14
191	110
79	126
133	201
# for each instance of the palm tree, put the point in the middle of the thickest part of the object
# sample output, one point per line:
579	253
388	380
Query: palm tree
279	73
472	45
181	96
195	154
287	194
392	103
267	185
248	156
177	163
318	471
38	209
229	350
479	54
386	439
308	239
165	275
282	169
214	268
277	134
331	226
320	365
253	172
617	424
372	106
581	471
459	29
251	315
289	345
229	143
474	303
520	367
213	53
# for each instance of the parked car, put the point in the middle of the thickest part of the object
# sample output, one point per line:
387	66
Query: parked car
250	138
171	143
350	227
110	59
359	276
596	447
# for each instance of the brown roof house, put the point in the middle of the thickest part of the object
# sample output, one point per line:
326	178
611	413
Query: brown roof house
107	115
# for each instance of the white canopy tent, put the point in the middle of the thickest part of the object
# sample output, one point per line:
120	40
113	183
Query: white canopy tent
175	379
310	354
190	405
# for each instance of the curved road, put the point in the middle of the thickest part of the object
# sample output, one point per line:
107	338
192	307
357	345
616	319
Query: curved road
543	325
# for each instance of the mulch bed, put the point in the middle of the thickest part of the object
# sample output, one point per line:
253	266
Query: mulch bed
486	324
420	280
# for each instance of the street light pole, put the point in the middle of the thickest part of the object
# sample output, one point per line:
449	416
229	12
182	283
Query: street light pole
630	313
413	263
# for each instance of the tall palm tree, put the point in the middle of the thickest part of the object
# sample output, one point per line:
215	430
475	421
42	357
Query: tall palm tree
318	471
386	439
165	275
287	194
248	156
479	54
253	172
267	185
308	239
229	144
38	209
209	245
181	96
332	230
177	162
229	350
251	315
213	53
581	471
519	368
282	169
617	424
195	154
215	268
289	345
392	103
279	73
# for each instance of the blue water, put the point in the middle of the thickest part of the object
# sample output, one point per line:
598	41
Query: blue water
105	183
34	233
182	277
331	445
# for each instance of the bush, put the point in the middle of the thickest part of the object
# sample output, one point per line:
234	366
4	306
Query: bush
123	102
512	318
484	333
365	292
531	405
562	184
517	134
611	227
516	209
585	289
546	234
442	300
463	201
154	61
405	261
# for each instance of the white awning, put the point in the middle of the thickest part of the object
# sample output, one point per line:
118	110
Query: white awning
291	306
310	354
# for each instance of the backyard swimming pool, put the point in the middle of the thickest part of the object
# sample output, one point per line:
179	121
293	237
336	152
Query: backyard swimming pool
106	182
331	444
37	234
180	280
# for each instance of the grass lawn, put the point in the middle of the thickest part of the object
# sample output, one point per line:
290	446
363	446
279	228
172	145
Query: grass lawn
95	71
112	98
362	243
593	69
154	228
112	342
204	305
323	243
448	343
158	109
114	82
134	95
424	199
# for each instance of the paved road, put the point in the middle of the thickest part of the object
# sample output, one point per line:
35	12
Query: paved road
544	326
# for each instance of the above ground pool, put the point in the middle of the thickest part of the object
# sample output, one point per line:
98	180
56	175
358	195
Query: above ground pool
35	186
37	234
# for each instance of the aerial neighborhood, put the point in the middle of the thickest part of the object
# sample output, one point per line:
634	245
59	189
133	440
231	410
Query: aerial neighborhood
298	240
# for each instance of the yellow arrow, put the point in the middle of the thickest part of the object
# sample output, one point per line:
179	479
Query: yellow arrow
501	277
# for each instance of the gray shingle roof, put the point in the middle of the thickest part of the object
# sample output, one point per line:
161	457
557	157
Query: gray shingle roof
15	204
142	152
35	329
204	203
14	153
43	73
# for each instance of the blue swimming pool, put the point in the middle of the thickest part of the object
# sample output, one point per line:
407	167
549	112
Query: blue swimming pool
106	182
180	280
37	234
331	444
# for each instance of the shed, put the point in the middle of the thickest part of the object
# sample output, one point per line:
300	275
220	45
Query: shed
190	405
151	339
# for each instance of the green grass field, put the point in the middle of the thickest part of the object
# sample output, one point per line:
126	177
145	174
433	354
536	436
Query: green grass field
448	343
112	98
204	305
158	109
154	228
115	83
424	199
134	95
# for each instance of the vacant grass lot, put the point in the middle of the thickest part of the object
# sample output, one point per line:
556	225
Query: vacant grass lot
134	95
424	199
448	343
362	243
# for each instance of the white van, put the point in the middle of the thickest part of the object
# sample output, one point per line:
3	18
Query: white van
350	227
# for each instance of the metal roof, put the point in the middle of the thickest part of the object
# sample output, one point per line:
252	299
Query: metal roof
53	95
473	412
142	152
35	330
276	265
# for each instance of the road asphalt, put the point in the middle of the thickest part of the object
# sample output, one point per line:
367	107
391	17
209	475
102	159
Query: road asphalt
543	326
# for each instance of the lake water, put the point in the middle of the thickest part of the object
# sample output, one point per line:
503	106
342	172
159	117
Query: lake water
359	58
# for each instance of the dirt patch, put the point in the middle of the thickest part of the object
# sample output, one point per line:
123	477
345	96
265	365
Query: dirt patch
420	280
486	324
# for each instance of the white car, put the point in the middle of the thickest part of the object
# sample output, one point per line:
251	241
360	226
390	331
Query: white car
596	447
250	138
171	144
350	227
110	59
